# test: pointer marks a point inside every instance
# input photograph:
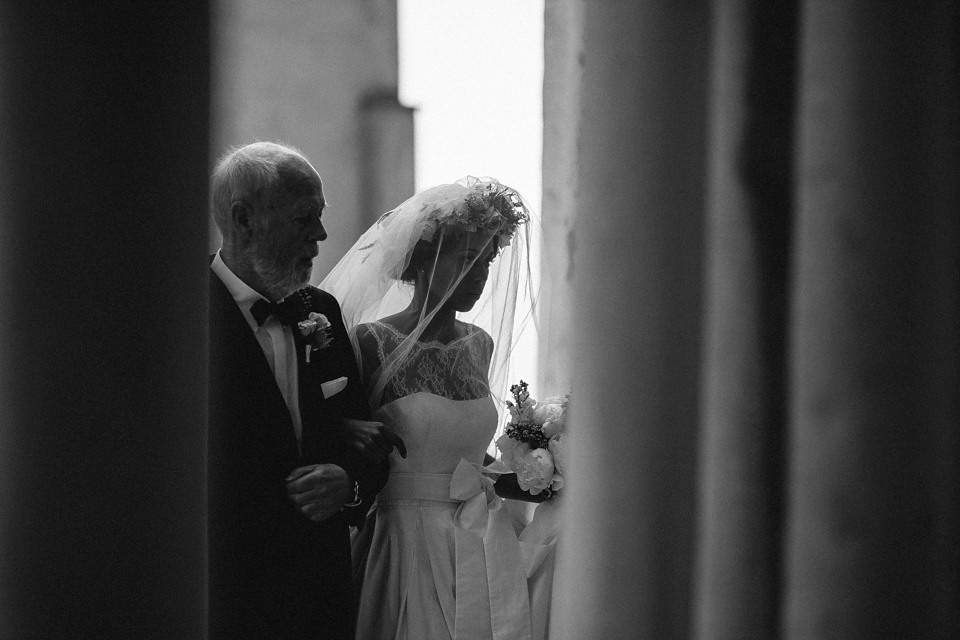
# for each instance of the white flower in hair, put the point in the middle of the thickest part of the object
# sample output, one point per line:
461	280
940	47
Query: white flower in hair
487	205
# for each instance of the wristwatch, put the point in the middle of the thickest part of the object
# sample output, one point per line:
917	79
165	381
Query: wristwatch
356	496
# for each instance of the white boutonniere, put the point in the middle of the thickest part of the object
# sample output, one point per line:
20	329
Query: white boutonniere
317	328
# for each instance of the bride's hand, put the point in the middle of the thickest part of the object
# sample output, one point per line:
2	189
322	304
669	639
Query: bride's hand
374	440
319	490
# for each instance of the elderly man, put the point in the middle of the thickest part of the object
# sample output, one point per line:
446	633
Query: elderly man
292	463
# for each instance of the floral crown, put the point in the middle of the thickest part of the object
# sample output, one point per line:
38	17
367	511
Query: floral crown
488	206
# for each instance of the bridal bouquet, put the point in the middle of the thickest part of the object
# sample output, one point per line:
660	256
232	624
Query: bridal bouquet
532	445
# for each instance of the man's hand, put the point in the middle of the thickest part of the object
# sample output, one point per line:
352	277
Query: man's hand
319	490
374	440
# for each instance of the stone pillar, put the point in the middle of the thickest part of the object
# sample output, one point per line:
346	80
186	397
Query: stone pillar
387	159
747	287
103	272
300	72
873	538
624	569
562	66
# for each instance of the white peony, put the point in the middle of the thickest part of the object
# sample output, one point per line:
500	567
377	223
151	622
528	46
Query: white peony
557	483
558	448
535	471
547	411
552	428
511	449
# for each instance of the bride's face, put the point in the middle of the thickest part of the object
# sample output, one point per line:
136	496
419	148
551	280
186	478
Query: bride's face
461	270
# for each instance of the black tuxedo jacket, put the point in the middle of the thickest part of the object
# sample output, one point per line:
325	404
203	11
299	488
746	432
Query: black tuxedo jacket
273	573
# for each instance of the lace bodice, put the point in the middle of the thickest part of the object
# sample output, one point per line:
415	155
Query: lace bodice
455	370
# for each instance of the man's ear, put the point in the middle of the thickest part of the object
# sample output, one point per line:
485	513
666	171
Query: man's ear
242	217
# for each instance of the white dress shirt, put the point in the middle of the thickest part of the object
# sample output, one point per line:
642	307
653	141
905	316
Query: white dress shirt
275	339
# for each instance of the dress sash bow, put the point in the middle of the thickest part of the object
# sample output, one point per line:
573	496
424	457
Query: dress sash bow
476	495
489	564
490	573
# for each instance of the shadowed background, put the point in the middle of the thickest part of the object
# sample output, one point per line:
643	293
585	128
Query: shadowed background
751	284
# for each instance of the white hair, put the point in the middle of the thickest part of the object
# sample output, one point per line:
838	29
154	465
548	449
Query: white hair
247	173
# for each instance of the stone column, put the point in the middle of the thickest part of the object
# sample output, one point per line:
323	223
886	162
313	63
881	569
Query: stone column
625	566
874	518
562	67
300	72
103	272
387	160
747	287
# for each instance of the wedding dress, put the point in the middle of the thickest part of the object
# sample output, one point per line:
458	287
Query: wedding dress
438	558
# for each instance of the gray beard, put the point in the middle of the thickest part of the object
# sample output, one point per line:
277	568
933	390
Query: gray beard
278	279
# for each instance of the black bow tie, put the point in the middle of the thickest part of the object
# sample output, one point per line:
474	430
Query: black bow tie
288	311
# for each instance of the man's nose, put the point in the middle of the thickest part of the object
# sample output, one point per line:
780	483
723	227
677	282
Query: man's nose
318	233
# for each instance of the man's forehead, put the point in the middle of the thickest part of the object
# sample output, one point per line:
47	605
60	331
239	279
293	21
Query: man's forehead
300	180
296	168
311	201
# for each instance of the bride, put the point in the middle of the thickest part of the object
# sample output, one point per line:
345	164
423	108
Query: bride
429	294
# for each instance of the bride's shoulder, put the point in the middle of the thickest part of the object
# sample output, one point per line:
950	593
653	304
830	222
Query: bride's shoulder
373	335
369	331
475	333
467	329
370	343
364	329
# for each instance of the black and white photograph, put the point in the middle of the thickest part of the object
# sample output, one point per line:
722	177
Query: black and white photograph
479	320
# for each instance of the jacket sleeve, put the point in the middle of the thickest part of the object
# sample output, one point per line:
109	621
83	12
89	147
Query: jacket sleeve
370	479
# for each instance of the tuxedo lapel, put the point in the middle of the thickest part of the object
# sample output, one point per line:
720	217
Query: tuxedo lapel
309	403
310	376
322	416
237	346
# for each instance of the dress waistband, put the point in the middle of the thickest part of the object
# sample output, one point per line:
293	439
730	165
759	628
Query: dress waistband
417	486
